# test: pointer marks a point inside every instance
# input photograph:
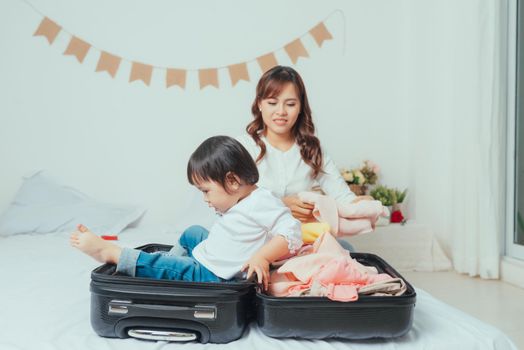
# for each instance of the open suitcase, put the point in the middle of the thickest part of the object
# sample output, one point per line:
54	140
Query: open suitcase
145	308
123	306
321	318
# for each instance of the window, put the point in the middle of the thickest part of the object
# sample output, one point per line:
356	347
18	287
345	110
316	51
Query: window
515	160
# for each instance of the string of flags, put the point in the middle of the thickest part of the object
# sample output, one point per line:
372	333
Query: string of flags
176	76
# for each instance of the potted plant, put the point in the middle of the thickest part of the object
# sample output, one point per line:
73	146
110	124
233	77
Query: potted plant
399	198
384	194
391	198
358	179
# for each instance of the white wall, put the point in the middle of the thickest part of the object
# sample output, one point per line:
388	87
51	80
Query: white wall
382	99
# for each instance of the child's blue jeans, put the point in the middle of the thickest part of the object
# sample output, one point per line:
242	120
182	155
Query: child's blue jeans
137	263
346	245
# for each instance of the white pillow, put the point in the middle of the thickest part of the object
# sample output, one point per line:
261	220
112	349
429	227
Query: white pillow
43	205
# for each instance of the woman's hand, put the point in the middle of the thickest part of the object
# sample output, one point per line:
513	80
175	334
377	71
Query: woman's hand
259	265
362	198
300	210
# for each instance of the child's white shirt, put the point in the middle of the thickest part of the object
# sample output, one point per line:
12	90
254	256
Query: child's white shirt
241	231
285	173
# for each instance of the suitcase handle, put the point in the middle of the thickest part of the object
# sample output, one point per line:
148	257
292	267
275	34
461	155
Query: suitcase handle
136	326
164	318
130	309
153	334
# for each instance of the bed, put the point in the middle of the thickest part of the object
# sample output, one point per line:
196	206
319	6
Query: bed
44	303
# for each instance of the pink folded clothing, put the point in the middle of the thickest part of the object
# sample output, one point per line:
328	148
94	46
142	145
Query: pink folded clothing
330	271
345	218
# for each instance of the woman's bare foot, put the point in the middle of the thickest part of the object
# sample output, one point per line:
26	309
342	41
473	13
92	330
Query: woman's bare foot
94	246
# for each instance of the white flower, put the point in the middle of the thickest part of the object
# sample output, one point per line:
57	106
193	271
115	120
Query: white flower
374	167
347	175
361	178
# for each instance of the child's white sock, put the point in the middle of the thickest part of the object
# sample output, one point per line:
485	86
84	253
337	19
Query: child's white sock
177	250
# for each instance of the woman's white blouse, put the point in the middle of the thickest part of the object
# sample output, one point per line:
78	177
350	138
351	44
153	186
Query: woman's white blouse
285	173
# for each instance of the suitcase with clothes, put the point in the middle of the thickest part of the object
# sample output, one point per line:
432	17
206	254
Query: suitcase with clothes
123	306
320	318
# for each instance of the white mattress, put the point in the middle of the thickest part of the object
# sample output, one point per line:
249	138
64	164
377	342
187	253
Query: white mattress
44	304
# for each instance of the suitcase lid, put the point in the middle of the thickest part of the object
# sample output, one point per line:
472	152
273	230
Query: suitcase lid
105	279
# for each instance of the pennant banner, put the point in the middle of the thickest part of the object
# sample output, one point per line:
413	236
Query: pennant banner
238	72
267	62
320	34
49	29
140	71
110	63
295	49
176	77
208	77
77	48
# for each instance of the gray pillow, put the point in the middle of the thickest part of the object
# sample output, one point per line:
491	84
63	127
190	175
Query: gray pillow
43	205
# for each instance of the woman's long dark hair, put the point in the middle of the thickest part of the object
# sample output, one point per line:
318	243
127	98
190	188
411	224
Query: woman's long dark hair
270	85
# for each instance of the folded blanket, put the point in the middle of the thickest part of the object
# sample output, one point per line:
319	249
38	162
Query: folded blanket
343	218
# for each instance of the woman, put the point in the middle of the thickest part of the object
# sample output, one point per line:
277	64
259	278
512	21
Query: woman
282	140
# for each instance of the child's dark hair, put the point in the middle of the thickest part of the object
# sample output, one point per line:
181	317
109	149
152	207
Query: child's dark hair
216	157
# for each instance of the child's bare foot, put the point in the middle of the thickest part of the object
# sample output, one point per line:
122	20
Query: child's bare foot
94	246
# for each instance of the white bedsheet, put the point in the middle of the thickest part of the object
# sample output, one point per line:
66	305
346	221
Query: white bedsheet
45	304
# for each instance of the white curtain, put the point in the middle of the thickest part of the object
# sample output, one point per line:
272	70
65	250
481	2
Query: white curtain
479	139
458	74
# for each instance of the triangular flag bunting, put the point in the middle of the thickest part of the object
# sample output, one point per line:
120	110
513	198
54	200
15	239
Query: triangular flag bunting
208	77
320	33
108	63
77	48
238	72
176	77
48	29
296	49
266	62
140	71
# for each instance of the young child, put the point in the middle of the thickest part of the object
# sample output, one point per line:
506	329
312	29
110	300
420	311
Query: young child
254	229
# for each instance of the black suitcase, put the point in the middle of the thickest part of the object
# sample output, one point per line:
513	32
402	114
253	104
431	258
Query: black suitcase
321	318
123	306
